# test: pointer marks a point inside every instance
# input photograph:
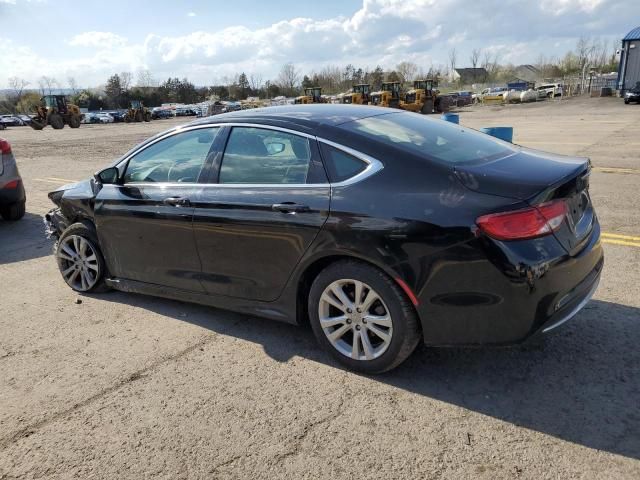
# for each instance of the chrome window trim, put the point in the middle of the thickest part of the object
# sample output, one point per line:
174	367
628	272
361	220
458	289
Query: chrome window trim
373	165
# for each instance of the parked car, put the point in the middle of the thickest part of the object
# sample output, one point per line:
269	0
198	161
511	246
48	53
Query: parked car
104	117
632	95
11	121
118	116
383	228
26	119
464	98
550	90
185	112
12	196
161	113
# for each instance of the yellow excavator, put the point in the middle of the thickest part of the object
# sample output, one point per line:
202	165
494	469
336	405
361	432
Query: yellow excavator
387	96
359	94
137	112
55	111
311	95
421	98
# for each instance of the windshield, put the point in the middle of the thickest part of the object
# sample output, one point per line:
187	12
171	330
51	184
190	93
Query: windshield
434	139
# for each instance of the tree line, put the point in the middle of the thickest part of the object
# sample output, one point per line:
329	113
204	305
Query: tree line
120	88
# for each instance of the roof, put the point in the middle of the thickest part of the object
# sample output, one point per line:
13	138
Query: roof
306	116
632	35
472	71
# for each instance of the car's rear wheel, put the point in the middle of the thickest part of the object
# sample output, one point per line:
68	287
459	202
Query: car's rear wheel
80	260
362	317
13	212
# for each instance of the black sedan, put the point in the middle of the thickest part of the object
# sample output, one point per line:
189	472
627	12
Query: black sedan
379	227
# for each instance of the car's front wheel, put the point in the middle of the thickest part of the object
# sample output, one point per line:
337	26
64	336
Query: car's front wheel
362	317
80	260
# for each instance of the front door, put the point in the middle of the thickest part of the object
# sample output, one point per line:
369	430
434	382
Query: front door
145	223
254	225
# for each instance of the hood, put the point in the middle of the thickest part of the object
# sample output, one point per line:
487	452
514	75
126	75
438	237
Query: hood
522	175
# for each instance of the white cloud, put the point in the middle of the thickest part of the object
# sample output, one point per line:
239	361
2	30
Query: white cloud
191	14
381	32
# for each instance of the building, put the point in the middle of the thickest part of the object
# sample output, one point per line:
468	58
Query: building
528	73
467	76
629	69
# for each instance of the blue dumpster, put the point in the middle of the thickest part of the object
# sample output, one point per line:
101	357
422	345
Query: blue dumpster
503	133
450	117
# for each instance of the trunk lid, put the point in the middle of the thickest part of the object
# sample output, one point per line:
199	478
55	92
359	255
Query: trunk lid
537	177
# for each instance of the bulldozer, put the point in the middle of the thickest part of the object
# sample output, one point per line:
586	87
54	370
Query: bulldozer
137	112
421	98
359	94
55	111
387	96
311	95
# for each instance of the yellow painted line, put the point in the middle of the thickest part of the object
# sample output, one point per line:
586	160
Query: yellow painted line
616	170
57	182
61	179
622	237
620	242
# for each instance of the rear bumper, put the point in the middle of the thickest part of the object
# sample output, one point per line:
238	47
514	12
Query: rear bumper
10	196
505	293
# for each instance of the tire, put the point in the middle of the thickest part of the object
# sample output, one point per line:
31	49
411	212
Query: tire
626	101
147	117
74	121
139	116
396	318
13	212
56	121
76	238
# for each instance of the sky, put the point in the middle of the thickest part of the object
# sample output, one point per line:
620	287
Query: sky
207	41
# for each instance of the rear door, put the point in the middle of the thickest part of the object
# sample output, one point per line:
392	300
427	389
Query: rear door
268	199
145	222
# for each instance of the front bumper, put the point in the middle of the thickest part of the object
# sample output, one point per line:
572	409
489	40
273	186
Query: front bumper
54	223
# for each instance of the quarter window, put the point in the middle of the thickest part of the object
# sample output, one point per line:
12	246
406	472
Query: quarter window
258	155
178	158
340	165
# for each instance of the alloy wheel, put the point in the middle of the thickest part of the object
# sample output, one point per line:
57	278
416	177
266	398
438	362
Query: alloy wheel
78	262
355	319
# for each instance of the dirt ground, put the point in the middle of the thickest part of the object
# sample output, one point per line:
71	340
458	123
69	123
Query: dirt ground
126	386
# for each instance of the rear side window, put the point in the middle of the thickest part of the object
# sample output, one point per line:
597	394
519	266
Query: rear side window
263	156
434	139
340	165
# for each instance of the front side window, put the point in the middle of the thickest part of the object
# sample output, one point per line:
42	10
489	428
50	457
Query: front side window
258	155
441	141
178	158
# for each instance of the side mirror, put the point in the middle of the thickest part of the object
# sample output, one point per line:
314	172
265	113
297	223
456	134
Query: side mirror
275	147
108	176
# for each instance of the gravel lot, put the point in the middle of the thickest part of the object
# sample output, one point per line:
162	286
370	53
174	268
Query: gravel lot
127	386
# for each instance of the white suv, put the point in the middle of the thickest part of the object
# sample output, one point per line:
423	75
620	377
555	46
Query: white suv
550	90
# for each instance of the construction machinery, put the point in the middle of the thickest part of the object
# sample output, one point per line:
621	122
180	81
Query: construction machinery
137	112
359	94
311	95
55	111
421	98
387	96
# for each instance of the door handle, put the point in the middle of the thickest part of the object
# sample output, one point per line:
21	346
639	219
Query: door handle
177	201
289	207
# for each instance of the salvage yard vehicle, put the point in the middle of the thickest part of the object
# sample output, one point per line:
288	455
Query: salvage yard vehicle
12	196
387	96
550	90
421	98
632	95
311	95
137	112
359	95
55	111
382	228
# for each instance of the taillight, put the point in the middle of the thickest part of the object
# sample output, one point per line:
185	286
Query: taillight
5	146
531	222
12	185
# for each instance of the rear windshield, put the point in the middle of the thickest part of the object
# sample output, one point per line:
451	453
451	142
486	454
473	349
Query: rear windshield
435	139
